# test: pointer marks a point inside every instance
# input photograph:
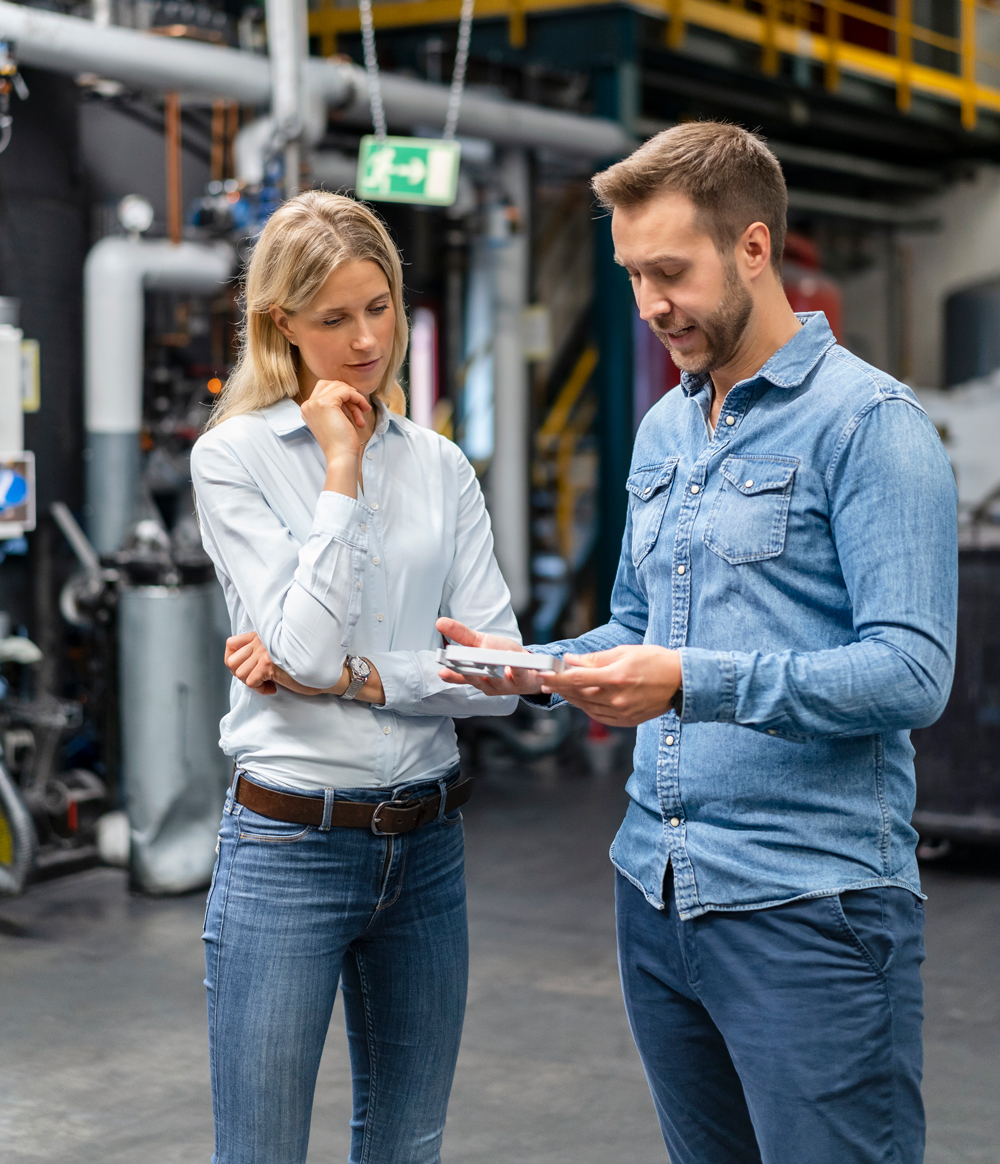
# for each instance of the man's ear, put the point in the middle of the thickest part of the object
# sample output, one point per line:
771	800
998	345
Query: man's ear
754	249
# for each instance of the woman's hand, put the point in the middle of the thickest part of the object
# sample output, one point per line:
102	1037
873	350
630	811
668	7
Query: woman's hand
519	682
249	661
336	415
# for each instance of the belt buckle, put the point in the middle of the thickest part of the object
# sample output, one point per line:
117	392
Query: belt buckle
408	803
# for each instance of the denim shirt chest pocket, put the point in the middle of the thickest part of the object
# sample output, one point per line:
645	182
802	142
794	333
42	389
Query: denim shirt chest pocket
649	490
749	519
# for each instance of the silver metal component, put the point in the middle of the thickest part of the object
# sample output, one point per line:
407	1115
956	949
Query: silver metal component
360	669
174	691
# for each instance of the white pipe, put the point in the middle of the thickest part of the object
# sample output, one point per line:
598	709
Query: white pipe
509	471
68	44
116	273
285	25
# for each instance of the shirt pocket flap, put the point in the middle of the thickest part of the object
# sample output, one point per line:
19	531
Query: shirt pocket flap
759	475
645	484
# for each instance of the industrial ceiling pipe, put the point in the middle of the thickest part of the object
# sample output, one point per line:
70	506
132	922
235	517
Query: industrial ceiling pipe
117	272
68	44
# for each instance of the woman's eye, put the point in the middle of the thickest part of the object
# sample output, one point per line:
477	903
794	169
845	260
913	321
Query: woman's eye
330	322
380	310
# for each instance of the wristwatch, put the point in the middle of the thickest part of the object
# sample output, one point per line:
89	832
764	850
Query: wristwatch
360	670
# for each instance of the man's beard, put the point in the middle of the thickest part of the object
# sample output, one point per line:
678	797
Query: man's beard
723	329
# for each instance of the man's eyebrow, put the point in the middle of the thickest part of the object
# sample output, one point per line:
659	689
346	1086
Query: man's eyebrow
656	261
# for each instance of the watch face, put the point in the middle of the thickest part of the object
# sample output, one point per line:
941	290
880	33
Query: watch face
360	668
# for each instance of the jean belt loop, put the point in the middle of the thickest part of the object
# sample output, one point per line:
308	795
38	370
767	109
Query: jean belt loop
443	789
231	790
328	798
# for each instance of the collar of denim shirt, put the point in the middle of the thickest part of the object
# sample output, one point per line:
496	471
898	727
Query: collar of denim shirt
285	417
790	364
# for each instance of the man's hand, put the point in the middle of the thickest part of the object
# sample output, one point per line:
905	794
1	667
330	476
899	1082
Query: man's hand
513	682
621	687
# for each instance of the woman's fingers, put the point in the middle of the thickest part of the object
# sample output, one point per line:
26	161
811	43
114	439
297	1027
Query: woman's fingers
238	658
237	645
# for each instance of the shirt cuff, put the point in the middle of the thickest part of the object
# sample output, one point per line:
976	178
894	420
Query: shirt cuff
709	682
402	678
342	517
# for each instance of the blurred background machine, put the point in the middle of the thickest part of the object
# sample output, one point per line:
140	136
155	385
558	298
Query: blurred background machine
143	144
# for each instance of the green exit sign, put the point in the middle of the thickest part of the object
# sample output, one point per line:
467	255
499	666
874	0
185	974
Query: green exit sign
408	169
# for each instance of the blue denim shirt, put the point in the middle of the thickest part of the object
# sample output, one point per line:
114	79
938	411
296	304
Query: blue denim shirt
804	561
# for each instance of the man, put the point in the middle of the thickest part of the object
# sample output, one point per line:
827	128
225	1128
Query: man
784	612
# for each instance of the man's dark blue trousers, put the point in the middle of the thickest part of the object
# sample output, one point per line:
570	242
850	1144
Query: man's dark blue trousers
789	1035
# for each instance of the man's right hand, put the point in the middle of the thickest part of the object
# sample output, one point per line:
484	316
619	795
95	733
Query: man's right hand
517	682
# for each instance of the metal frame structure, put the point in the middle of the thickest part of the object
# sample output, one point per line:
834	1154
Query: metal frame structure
810	30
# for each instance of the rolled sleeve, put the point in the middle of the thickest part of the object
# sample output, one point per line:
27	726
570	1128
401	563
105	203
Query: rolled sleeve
709	682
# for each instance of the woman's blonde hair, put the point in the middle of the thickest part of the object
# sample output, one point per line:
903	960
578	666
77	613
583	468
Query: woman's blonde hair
304	240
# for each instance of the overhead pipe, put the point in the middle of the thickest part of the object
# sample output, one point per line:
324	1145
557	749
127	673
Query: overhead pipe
115	275
68	44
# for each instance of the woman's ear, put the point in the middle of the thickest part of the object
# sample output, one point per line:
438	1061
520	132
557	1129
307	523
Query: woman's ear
282	322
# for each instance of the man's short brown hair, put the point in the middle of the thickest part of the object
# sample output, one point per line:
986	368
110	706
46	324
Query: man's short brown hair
732	178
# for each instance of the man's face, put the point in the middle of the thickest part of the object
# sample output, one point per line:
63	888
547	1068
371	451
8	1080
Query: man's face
692	298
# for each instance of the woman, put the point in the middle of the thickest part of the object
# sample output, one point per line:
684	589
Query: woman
339	530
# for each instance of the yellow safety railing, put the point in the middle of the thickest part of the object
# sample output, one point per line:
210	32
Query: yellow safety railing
810	29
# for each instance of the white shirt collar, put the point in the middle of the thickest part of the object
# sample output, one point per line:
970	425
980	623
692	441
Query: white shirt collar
285	417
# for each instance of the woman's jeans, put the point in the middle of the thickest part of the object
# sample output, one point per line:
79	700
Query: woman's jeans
293	910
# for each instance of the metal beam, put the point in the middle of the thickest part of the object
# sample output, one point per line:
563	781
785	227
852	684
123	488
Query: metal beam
861	167
836	206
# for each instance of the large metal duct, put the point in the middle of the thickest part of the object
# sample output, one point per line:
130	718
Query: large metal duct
68	44
116	273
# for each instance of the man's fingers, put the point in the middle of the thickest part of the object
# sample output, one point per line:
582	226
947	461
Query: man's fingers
458	632
268	687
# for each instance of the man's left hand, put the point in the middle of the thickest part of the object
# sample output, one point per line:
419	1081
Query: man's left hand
621	687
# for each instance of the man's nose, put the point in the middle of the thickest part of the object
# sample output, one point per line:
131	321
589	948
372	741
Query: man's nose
651	301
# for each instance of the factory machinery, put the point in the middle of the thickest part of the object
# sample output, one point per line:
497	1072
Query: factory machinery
525	348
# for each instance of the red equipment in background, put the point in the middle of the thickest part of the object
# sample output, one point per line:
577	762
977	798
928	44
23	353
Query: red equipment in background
806	286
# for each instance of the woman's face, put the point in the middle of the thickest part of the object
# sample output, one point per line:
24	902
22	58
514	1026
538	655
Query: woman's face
346	332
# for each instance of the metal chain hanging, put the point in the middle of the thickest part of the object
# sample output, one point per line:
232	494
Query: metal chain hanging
457	77
371	68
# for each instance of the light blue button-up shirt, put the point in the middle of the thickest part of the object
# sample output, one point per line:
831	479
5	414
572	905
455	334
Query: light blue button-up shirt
803	559
318	575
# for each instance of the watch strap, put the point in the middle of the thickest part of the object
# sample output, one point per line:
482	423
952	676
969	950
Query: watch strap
358	677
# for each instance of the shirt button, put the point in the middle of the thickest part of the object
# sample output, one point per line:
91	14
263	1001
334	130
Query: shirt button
749	483
374	505
386	731
681	569
669	740
375	561
369	455
695	489
380	617
674	822
771	732
363	527
648	489
358	585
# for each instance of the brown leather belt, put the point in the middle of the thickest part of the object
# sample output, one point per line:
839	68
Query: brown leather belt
385	819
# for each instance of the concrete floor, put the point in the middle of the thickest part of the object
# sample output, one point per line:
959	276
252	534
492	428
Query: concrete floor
102	1030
